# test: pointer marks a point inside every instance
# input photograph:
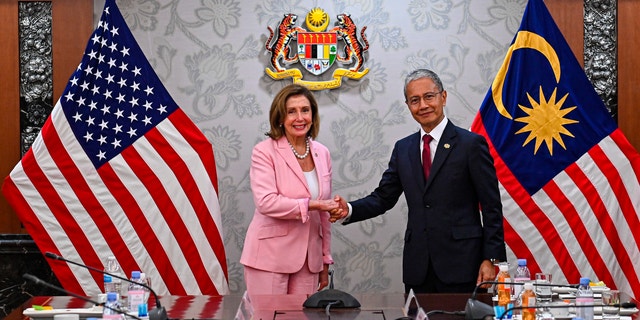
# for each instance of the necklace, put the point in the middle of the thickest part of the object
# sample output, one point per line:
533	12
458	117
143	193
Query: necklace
299	156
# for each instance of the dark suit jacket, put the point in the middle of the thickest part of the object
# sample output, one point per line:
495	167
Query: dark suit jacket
444	223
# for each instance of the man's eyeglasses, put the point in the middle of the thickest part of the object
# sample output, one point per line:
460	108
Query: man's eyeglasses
429	96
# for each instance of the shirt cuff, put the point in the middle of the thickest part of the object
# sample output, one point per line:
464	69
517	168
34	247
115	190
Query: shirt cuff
327	259
347	217
304	210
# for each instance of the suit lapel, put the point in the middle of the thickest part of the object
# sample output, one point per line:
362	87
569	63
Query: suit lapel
284	150
415	158
444	148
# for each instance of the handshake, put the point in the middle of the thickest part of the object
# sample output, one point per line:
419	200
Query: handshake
337	208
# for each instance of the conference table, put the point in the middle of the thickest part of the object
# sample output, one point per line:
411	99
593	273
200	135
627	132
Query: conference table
278	307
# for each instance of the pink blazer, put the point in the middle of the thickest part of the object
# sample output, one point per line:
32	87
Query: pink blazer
283	232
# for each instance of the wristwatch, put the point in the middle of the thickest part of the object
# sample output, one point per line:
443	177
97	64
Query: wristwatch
495	261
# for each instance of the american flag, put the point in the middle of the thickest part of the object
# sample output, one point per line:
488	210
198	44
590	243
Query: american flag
119	169
568	176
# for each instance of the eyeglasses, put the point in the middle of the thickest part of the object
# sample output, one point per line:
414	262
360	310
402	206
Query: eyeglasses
429	96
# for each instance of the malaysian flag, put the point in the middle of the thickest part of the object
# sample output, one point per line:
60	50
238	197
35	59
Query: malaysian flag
119	169
568	176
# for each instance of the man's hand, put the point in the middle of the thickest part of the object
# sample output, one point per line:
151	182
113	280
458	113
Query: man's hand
487	272
341	211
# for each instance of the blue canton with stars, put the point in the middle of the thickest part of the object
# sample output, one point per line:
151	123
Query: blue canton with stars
114	97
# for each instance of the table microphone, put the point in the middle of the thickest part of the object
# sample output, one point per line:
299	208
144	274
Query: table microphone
39	281
475	310
157	313
331	298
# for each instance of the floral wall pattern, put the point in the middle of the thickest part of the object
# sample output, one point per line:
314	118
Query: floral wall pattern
211	56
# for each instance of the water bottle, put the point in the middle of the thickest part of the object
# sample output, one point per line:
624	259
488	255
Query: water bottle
113	267
522	275
147	281
584	296
109	285
503	291
527	300
108	311
135	296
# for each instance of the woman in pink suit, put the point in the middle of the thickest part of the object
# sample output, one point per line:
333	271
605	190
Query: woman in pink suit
287	248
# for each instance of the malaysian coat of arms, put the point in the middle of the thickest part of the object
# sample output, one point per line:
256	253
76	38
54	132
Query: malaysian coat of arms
317	49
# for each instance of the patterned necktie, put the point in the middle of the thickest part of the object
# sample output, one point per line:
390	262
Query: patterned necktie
426	156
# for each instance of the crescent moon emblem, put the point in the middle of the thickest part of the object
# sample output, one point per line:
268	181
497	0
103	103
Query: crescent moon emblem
524	40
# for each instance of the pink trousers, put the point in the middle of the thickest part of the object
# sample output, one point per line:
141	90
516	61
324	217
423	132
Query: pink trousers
266	282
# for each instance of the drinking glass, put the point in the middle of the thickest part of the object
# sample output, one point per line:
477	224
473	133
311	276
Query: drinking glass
543	291
610	304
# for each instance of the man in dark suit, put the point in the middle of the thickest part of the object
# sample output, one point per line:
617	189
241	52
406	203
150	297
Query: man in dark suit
454	231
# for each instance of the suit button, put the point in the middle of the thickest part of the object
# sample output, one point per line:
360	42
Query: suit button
427	206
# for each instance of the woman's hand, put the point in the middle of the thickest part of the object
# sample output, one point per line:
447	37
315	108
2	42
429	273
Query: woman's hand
324	205
323	279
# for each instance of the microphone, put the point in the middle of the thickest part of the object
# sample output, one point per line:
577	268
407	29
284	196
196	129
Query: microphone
331	298
477	310
158	313
39	281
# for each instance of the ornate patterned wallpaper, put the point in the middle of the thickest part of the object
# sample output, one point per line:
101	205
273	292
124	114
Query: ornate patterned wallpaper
36	81
600	50
211	56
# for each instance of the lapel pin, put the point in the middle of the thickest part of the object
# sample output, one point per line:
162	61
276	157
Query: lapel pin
447	146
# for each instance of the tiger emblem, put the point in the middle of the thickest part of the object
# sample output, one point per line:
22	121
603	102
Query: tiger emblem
280	48
353	49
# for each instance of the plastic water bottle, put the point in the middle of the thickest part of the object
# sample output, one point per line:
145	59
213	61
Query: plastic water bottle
584	296
112	266
147	281
522	275
503	293
527	300
112	303
109	286
135	296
